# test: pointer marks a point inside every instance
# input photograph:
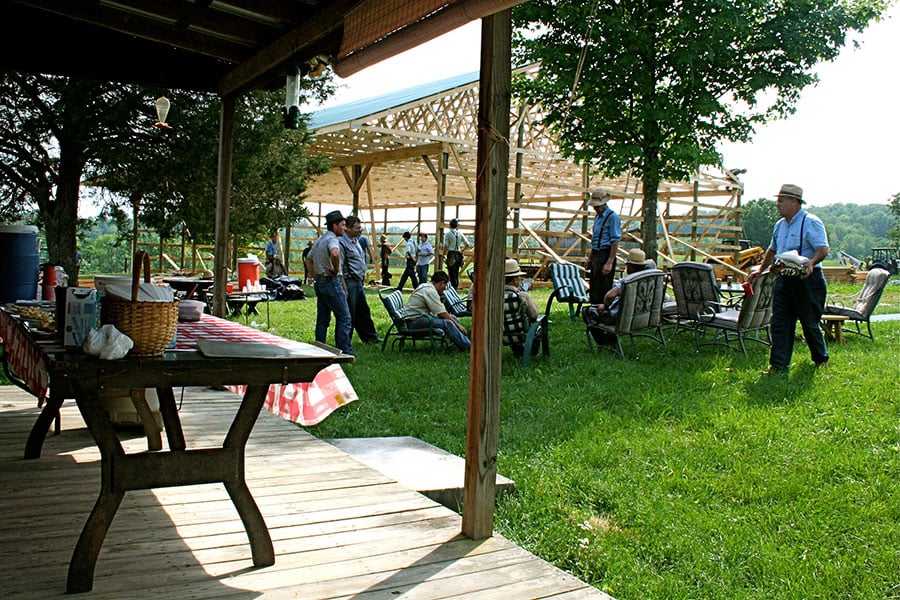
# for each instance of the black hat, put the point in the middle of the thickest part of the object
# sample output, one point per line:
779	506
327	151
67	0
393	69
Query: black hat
333	217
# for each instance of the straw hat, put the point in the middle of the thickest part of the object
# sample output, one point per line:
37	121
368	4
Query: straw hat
512	268
637	257
790	190
599	197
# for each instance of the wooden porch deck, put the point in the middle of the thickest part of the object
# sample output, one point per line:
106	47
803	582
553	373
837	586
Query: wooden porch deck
340	529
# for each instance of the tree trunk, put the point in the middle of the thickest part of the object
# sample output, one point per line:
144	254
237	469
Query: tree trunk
61	215
650	183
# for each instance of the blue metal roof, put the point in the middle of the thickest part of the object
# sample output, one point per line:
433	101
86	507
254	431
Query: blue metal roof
353	111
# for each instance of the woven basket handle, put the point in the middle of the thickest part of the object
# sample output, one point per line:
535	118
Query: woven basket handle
140	259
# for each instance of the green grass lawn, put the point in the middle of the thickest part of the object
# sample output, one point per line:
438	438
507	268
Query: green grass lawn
672	473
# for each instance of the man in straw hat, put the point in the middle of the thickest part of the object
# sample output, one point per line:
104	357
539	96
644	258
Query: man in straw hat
385	261
606	311
799	293
331	296
514	284
605	236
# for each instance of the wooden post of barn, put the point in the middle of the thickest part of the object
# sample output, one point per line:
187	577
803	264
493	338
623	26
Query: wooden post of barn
482	427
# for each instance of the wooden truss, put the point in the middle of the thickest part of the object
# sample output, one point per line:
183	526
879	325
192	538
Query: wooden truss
420	156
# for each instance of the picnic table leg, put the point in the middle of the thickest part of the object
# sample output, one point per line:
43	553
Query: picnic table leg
839	332
236	440
84	558
42	425
827	330
151	429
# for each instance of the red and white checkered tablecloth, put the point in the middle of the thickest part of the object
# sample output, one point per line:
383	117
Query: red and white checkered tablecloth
24	357
304	403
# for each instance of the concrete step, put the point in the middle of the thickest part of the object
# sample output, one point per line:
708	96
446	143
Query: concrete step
416	465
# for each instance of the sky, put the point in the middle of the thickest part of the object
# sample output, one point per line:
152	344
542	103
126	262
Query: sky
841	144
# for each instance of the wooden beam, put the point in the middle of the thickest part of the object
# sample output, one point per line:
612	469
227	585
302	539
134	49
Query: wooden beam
439	23
277	55
389	155
482	427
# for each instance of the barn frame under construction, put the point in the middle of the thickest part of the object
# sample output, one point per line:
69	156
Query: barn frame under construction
407	161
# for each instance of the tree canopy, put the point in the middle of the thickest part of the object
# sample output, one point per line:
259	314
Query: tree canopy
57	131
651	86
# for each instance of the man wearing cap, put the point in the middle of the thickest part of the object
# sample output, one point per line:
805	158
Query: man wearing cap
410	253
424	306
354	269
454	243
801	296
331	296
605	236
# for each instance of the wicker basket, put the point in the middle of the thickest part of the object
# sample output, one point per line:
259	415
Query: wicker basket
151	325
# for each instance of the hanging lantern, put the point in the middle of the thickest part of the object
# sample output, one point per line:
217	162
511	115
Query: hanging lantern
162	111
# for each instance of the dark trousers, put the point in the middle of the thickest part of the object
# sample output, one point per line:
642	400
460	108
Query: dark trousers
454	264
330	298
600	283
385	271
409	273
422	272
360	315
803	300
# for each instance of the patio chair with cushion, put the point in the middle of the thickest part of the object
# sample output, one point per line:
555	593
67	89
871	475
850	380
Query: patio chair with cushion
694	288
752	314
640	311
456	306
524	337
864	302
568	287
400	329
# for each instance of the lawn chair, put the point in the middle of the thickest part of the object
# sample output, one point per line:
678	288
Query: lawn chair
456	306
640	310
519	333
567	287
694	287
400	328
751	315
864	302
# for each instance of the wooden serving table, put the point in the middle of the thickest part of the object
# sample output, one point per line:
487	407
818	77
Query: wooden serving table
222	363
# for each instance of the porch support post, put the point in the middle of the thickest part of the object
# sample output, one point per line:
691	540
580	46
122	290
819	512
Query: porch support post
482	428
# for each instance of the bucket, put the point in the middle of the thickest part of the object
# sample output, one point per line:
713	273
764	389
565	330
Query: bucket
48	283
248	274
19	262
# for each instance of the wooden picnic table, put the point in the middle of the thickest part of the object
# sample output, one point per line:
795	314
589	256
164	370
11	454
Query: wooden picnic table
224	363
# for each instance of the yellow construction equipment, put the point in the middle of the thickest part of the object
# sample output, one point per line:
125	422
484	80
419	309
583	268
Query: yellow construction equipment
747	259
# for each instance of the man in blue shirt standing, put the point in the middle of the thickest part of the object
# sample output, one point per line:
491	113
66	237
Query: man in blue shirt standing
605	236
331	297
355	280
799	294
